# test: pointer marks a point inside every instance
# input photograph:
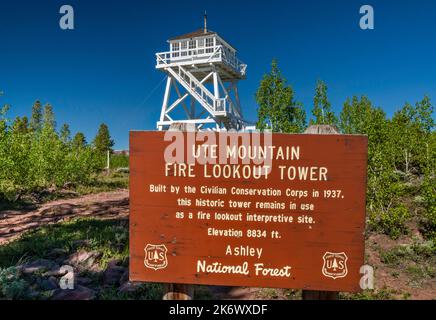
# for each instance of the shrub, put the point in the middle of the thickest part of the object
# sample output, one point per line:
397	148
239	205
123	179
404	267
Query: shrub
34	156
119	161
11	286
391	222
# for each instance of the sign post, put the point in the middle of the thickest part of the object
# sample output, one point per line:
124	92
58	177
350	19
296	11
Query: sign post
179	291
313	294
248	209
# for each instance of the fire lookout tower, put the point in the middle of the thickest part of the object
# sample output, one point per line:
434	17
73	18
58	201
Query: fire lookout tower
207	68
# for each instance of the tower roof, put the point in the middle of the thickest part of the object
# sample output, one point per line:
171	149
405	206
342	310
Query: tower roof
194	34
200	33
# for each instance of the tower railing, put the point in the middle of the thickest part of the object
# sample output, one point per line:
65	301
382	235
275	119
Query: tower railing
200	55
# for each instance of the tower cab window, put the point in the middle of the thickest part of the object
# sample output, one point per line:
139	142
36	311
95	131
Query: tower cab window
209	45
191	47
200	46
175	49
183	46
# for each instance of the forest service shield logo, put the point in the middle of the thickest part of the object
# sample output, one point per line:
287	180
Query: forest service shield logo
155	256
335	265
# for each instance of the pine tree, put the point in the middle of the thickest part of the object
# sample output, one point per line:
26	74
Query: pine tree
79	141
36	120
65	133
49	117
278	111
102	141
4	109
21	125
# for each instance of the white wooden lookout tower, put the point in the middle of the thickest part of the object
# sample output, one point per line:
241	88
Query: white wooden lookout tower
202	73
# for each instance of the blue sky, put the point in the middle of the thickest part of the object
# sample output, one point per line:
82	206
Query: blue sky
104	70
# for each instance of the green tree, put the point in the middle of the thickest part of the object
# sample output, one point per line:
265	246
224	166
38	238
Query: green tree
36	119
20	141
49	117
359	116
65	133
425	124
428	190
3	110
102	141
424	115
410	129
79	141
33	157
6	163
278	110
403	138
321	106
21	125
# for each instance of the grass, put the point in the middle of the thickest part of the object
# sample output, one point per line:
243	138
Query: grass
420	273
268	293
105	182
274	293
147	291
379	294
108	237
292	294
418	252
102	182
119	161
417	261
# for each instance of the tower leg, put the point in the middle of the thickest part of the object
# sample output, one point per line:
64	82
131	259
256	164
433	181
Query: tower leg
216	89
165	100
236	93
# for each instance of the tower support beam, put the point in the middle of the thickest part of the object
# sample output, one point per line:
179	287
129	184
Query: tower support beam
165	100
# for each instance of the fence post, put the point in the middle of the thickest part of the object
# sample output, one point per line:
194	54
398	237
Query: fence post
314	294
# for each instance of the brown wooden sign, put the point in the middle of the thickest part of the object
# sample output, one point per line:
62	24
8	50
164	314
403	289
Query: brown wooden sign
243	209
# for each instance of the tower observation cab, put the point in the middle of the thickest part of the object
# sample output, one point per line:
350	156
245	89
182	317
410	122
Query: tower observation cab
207	68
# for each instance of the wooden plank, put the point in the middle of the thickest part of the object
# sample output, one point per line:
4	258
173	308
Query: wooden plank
175	291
